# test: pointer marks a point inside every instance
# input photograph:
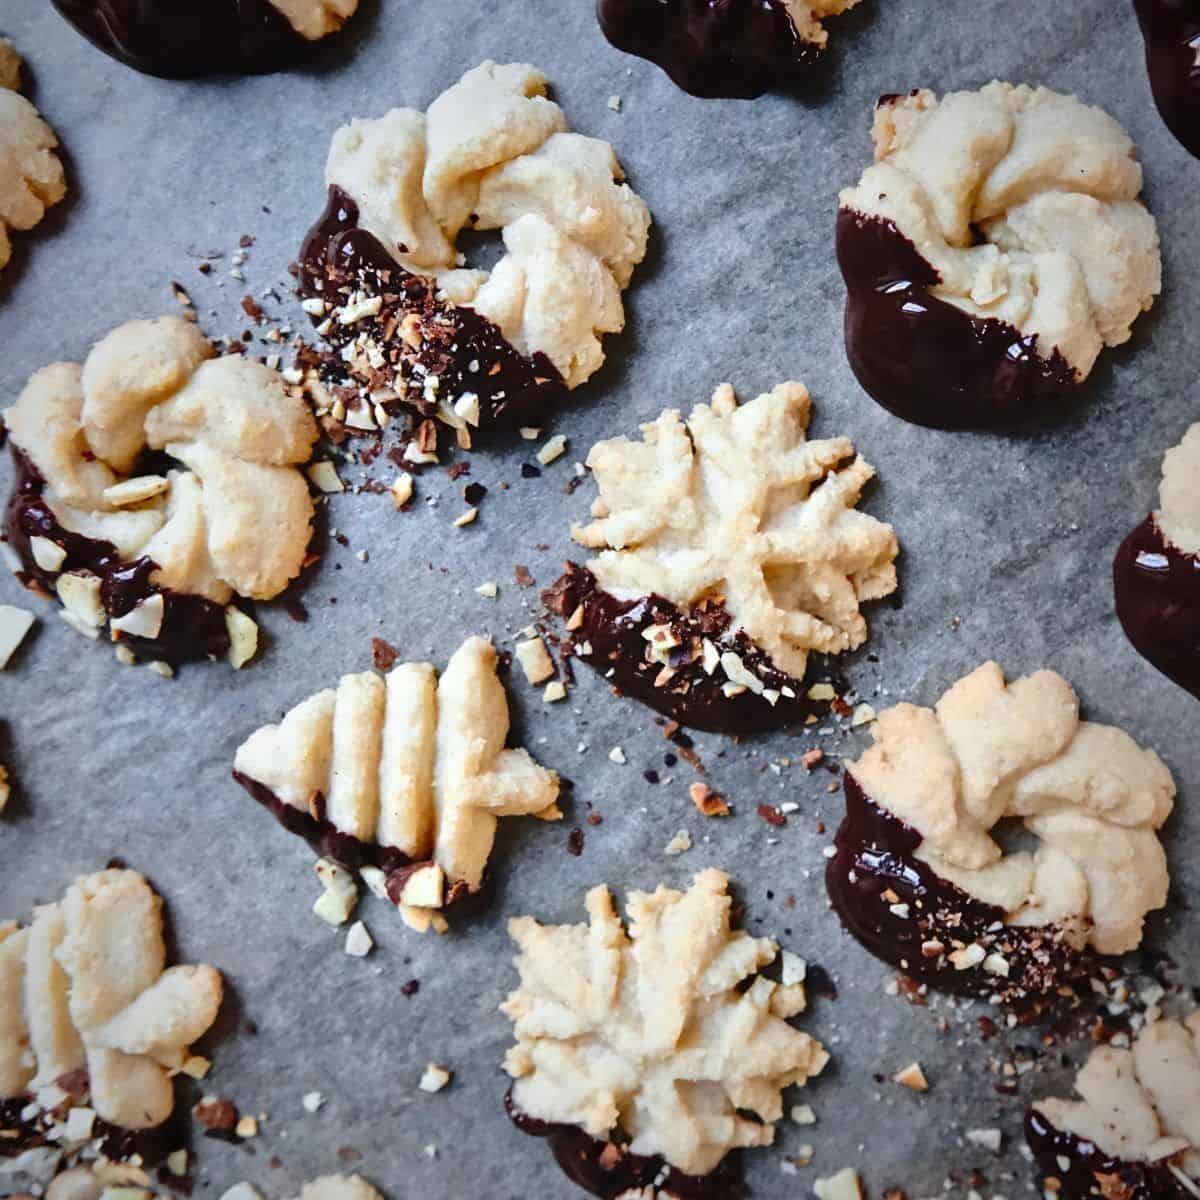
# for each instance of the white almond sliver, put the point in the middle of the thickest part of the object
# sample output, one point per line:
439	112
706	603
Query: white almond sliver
48	555
15	623
80	595
136	490
143	620
243	637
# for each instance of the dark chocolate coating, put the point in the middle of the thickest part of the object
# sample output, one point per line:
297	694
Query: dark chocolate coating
692	697
339	257
924	359
1091	1173
330	842
1171	29
193	627
875	853
179	39
1157	591
118	1144
579	1156
733	48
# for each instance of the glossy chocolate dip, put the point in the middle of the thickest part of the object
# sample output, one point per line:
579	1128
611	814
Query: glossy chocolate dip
922	358
184	38
1157	592
907	915
193	627
1171	29
733	48
463	350
608	1170
352	853
1084	1172
607	635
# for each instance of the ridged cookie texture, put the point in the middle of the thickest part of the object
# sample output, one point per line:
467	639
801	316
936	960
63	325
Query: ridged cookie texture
158	556
93	1023
1137	1121
994	248
932	795
31	173
386	285
730	548
654	1042
405	775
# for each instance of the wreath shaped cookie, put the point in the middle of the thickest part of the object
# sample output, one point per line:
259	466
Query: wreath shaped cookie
31	174
920	880
94	1026
991	252
1156	573
402	779
640	1052
381	274
157	555
1136	1129
730	549
183	38
737	48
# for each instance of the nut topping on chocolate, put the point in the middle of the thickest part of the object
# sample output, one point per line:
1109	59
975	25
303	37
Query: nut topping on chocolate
730	549
1138	1121
919	878
86	996
383	281
158	559
404	776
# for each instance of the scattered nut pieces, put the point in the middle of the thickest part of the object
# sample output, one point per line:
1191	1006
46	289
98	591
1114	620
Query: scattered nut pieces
312	1101
47	554
555	690
707	801
402	489
489	590
802	1114
359	942
989	1139
434	1078
680	843
845	1185
535	660
467	518
15	624
243	637
196	1066
324	477
553	449
247	1127
617	755
912	1077
340	897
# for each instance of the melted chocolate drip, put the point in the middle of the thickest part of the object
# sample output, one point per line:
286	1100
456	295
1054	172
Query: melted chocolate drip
465	351
1157	589
613	629
875	854
193	627
604	1169
922	358
344	848
1171	29
182	38
734	48
1090	1172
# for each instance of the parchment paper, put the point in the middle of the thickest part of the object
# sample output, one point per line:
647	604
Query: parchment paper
1007	547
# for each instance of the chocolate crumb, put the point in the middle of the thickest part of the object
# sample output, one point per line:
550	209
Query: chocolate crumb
411	988
772	815
575	842
215	1115
523	577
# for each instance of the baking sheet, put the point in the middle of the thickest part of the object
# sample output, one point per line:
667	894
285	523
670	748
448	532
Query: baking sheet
1007	543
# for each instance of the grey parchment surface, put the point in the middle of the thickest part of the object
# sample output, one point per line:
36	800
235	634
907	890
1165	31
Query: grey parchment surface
1007	544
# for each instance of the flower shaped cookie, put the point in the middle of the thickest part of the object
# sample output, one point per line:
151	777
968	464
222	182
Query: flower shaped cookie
644	1049
730	549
